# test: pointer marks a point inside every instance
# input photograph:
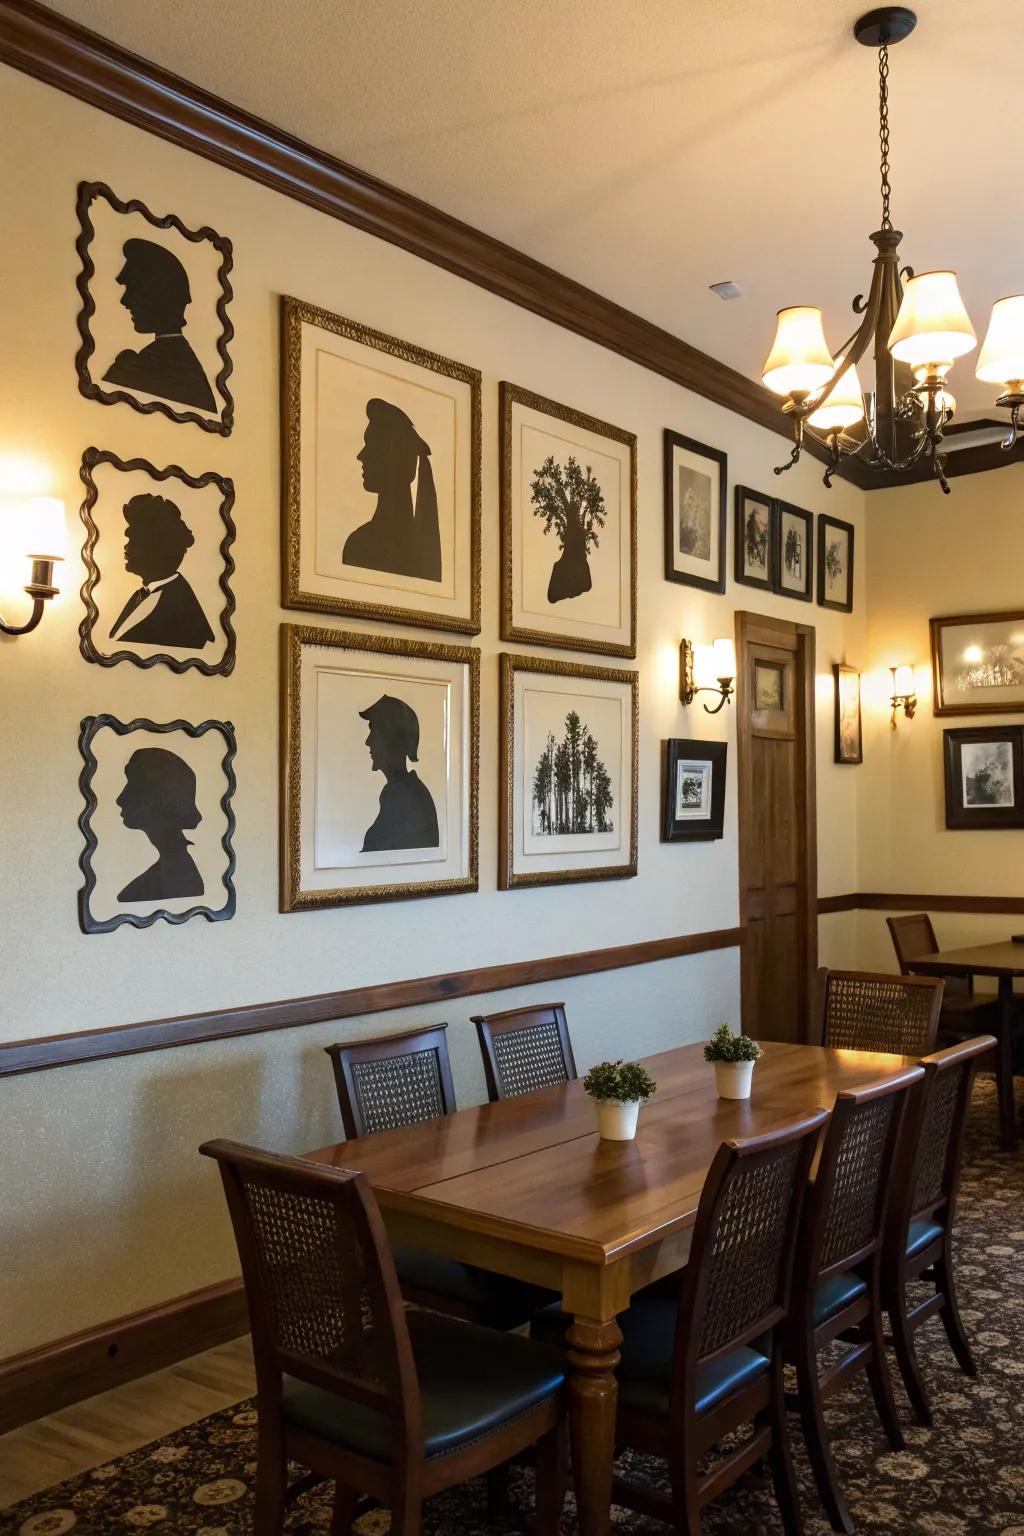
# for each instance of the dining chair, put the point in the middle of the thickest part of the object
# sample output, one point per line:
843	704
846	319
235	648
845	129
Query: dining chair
860	1011
919	1229
837	1275
391	1403
397	1080
964	1012
524	1049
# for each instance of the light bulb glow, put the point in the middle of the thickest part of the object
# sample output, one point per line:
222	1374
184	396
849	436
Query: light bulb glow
800	361
43	532
723	659
903	681
843	406
1001	360
704	667
932	327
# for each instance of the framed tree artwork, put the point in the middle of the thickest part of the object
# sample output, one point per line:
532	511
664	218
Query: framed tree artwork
379	768
568	772
695	478
158	822
159	566
835	564
693	791
794	552
568	520
754	538
984	773
978	663
154	323
381	457
849	746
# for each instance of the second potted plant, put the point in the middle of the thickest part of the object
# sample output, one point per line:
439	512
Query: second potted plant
734	1057
618	1088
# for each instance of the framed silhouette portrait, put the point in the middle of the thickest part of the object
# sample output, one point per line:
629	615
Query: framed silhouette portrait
568	527
380	740
158	561
154	321
695	478
381	459
568	776
158	822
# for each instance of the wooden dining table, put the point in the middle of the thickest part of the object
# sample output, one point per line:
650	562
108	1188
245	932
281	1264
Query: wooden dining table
527	1188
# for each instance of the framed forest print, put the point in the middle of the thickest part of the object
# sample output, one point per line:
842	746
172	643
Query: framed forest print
695	478
568	772
381	458
794	552
379	768
568	519
754	541
154	324
848	741
693	791
159	566
978	663
835	564
158	822
984	774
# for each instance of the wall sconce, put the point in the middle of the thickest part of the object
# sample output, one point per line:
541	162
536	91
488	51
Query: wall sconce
904	692
41	527
707	669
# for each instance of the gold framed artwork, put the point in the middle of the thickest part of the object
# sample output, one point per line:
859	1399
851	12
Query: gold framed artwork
978	663
568	760
381	463
849	747
380	740
568	521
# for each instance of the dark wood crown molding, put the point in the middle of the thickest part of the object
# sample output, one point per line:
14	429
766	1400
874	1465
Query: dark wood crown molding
900	901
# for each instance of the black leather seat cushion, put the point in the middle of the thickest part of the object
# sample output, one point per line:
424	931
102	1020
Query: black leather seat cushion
497	1301
472	1381
834	1294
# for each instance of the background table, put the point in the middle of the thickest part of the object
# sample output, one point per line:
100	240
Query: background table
526	1187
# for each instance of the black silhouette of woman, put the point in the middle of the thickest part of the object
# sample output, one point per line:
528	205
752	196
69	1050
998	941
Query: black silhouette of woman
168	611
159	798
396	538
156	295
407	817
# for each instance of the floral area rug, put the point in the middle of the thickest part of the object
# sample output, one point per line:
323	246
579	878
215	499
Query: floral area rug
964	1477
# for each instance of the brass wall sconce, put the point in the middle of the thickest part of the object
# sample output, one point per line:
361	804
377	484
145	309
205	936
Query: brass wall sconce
42	518
904	693
707	669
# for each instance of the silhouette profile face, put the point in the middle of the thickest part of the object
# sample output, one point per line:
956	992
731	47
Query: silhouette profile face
394	734
156	538
390	450
159	794
156	290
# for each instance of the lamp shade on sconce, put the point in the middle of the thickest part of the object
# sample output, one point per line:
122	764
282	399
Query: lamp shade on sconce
932	327
903	681
843	406
42	528
1002	354
723	659
800	361
704	675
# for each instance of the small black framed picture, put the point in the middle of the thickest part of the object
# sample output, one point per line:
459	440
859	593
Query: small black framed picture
754	542
693	791
835	564
695	490
849	746
794	552
984	777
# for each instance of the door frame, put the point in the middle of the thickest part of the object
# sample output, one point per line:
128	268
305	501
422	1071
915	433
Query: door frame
760	629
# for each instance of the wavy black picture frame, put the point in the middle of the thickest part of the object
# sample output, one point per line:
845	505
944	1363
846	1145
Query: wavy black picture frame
90	459
91	726
88	192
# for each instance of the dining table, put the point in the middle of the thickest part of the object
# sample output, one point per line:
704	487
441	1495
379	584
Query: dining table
527	1188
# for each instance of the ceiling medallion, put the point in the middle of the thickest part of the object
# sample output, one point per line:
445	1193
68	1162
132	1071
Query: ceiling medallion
914	325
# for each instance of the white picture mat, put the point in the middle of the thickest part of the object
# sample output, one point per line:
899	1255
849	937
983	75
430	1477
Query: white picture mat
961	646
703	469
996	755
690	768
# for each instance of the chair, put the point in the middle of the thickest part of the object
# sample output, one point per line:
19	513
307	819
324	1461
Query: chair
918	1238
858	1011
524	1049
398	1405
837	1277
393	1081
964	1012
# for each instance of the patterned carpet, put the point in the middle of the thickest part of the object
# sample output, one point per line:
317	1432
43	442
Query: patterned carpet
965	1477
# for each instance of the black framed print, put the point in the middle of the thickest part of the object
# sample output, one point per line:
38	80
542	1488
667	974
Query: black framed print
380	745
381	455
754	542
158	566
835	564
794	552
568	527
849	746
154	323
158	822
693	790
984	774
695	491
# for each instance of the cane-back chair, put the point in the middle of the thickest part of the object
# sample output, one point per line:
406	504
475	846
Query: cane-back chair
964	1011
524	1049
859	1011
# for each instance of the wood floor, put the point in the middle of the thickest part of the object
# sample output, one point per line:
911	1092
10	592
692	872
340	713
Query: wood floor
116	1422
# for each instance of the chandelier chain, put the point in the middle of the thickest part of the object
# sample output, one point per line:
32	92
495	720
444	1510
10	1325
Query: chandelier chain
883	130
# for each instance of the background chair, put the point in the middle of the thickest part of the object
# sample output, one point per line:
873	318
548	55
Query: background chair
964	1012
524	1049
392	1404
858	1011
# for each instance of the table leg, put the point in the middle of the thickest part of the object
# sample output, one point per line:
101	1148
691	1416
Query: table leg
593	1394
1004	1066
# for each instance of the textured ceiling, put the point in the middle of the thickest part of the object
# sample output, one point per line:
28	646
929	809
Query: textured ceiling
648	149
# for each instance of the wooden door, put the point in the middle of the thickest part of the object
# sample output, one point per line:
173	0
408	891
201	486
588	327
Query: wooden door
777	824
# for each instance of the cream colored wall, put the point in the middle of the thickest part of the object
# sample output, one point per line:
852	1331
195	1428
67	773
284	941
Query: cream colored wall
99	1162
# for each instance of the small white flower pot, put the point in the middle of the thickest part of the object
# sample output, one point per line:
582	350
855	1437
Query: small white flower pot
616	1121
732	1079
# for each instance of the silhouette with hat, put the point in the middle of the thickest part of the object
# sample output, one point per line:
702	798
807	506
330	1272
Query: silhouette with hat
164	610
398	537
159	798
407	817
156	295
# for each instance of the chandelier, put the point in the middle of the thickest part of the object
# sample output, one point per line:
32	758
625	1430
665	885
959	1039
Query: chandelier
914	326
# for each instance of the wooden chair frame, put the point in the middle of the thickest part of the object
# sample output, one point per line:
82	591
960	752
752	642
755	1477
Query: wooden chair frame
512	1021
410	1042
932	984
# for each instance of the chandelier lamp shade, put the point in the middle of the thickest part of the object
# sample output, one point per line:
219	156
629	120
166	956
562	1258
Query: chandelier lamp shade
913	328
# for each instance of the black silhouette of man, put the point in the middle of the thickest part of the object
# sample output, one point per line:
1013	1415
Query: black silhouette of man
159	798
407	817
164	610
156	295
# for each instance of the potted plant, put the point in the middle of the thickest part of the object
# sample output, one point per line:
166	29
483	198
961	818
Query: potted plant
734	1057
618	1088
